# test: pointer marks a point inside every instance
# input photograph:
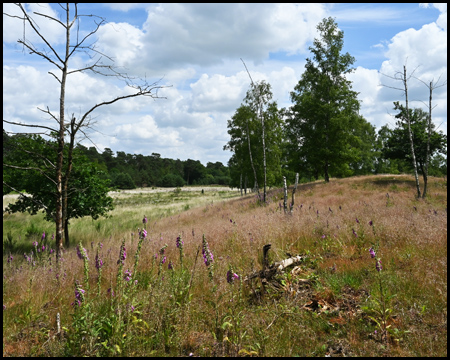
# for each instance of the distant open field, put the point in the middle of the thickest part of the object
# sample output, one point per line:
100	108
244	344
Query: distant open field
370	277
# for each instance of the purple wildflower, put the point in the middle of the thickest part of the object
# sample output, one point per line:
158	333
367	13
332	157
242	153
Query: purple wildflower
170	266
98	262
127	275
53	236
372	253
144	220
163	260
143	233
180	242
43	236
370	222
354	233
43	247
110	291
35	243
357	221
207	254
231	276
378	266
123	254
324	236
82	253
79	295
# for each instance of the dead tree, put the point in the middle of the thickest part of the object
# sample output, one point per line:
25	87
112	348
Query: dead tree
430	87
61	60
404	79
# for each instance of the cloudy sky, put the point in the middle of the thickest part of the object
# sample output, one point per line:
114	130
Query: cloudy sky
195	49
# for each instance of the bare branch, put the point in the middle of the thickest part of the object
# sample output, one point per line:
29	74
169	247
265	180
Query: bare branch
26	196
42	172
29	125
30	21
247	71
55	77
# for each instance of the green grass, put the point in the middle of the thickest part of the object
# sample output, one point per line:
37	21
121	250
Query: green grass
324	307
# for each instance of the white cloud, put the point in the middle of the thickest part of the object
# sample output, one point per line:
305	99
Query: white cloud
13	29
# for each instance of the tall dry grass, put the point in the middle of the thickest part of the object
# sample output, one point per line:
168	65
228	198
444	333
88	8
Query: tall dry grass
223	319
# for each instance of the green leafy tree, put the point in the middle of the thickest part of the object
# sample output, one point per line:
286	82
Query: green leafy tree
324	111
397	145
87	187
246	144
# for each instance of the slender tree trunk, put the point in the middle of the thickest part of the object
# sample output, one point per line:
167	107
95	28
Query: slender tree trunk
66	231
251	158
427	156
59	163
66	180
245	185
405	83
264	152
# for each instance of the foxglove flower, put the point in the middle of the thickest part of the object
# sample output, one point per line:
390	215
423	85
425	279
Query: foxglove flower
43	236
378	266
372	253
180	242
143	234
170	266
144	220
81	252
127	276
208	257
98	262
354	233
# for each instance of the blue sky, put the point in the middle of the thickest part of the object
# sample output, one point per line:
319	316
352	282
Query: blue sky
196	49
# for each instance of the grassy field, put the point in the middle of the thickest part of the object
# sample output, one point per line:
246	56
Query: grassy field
177	300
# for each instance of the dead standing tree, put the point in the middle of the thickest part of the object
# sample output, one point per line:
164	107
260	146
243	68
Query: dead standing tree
430	87
401	76
60	60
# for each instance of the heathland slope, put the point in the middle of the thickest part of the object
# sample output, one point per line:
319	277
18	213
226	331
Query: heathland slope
372	280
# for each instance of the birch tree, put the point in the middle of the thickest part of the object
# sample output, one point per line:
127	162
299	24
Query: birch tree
75	43
402	76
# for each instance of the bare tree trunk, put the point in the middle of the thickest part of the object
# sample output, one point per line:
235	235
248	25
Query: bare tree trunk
427	156
264	155
285	195
251	158
405	83
59	163
245	185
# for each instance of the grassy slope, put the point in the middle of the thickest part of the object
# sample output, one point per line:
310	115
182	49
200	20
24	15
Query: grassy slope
327	317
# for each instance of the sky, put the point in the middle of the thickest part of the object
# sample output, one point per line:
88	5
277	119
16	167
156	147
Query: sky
194	52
